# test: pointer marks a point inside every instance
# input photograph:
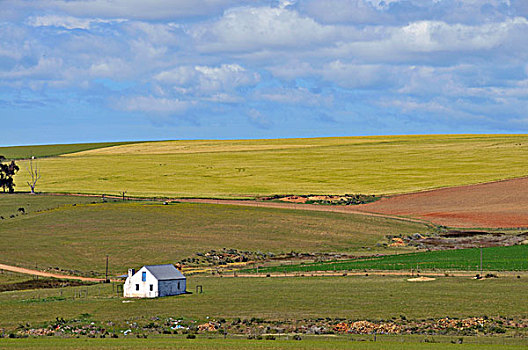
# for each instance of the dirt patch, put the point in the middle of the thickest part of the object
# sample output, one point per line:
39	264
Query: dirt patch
460	239
421	279
502	204
347	199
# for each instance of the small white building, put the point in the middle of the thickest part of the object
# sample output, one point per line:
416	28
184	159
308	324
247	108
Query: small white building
153	281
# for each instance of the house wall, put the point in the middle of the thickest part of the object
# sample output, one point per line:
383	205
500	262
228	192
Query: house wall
172	287
129	288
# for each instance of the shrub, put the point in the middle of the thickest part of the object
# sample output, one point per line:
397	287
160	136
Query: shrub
191	336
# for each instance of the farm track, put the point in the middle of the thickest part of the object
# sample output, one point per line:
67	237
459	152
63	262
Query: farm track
47	274
250	275
293	206
354	273
260	204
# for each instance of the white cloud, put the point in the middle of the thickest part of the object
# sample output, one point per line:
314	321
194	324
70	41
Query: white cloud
171	57
135	9
13	41
296	96
151	104
67	22
343	11
258	119
292	70
404	11
352	75
205	79
115	68
430	36
257	28
45	69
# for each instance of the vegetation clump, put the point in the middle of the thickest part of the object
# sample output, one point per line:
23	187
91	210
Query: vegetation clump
7	173
258	329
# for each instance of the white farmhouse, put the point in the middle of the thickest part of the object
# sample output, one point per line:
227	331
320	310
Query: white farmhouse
153	281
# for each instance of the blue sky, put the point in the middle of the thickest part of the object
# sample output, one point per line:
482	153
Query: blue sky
105	70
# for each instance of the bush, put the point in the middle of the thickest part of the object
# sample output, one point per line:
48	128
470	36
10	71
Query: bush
496	329
191	336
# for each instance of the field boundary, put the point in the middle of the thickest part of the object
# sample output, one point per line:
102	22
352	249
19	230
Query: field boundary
253	203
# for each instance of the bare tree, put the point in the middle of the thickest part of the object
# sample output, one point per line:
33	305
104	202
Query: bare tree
34	171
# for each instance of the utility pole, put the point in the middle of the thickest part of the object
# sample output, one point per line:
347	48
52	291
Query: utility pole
481	261
106	274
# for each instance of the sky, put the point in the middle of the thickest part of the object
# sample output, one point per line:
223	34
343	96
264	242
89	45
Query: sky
116	70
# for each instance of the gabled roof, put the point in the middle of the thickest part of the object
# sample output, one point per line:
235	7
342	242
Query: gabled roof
165	272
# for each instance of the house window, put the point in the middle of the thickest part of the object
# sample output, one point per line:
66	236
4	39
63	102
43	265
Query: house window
137	286
178	285
143	276
151	287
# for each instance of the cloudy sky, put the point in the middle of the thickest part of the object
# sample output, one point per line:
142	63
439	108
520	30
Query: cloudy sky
98	70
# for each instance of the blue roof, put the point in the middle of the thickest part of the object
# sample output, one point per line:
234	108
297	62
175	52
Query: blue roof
165	272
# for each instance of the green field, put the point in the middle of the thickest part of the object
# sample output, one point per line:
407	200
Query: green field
246	168
79	237
513	258
356	298
196	344
41	151
10	203
7	277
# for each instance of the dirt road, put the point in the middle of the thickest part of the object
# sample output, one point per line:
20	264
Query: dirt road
47	274
354	273
294	206
257	203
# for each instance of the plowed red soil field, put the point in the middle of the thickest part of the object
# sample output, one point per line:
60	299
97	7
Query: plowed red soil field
502	204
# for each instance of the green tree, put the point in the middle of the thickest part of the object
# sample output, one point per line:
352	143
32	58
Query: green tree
7	171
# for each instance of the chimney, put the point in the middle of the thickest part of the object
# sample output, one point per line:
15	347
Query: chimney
131	272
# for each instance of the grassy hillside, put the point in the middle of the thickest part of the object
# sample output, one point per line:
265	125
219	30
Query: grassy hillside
24	152
79	237
494	258
373	165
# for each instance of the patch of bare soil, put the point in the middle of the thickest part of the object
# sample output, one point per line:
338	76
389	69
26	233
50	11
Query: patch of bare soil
421	279
347	199
502	204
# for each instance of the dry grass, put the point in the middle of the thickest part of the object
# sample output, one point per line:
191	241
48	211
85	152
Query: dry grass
371	165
